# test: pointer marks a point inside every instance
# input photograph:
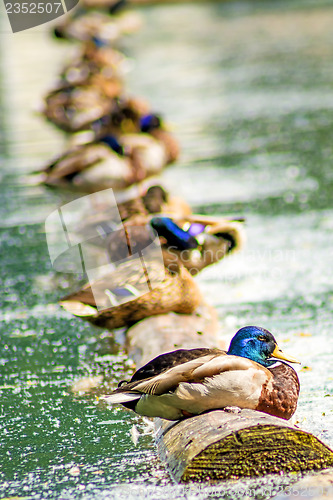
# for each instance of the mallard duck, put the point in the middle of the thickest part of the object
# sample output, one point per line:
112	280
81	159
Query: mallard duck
197	241
94	57
133	292
123	117
74	107
156	199
152	153
148	200
114	241
184	383
152	124
135	126
83	24
91	167
106	163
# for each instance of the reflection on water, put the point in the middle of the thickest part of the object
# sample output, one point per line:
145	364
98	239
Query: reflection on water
247	88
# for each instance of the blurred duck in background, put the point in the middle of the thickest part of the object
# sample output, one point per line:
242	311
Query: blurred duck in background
73	107
193	241
125	292
107	22
94	56
133	292
108	163
183	240
140	199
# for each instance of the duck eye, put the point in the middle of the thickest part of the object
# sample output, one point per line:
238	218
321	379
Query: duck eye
262	338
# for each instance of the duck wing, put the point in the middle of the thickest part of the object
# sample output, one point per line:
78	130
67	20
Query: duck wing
164	373
169	360
200	370
77	160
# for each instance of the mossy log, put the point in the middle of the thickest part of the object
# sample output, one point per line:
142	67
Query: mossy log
223	445
220	445
167	332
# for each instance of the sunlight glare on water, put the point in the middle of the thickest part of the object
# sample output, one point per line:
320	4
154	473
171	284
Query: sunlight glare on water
247	88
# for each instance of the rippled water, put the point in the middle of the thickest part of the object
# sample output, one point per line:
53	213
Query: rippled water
247	88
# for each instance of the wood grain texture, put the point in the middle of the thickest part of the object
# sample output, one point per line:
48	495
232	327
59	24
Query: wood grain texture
219	445
222	446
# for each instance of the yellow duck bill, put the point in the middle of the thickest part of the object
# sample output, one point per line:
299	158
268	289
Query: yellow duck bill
277	353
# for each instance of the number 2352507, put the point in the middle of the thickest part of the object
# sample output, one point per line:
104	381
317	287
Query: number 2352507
32	8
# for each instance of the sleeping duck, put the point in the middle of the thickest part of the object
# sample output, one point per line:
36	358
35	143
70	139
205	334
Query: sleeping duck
95	65
73	107
136	289
130	121
180	247
84	108
185	383
141	199
91	167
94	57
124	117
197	241
106	163
152	124
137	128
82	24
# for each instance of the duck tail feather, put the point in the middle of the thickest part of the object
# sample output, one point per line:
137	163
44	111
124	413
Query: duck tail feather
121	397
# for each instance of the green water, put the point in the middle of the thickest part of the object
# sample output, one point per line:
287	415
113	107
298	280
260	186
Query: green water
247	87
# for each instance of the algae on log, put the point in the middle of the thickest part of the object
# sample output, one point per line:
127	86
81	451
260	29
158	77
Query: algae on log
222	445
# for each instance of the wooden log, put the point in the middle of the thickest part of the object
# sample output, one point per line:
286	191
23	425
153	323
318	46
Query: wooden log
166	332
221	446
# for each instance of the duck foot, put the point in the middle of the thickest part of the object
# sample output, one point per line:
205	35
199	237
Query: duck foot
232	409
187	414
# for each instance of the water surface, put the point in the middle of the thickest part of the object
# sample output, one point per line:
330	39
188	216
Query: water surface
247	88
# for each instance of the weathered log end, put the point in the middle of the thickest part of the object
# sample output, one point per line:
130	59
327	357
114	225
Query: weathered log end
257	451
167	332
221	446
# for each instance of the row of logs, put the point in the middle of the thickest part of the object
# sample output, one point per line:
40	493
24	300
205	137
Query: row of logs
140	246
